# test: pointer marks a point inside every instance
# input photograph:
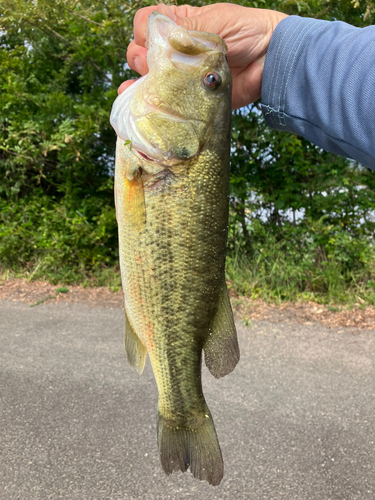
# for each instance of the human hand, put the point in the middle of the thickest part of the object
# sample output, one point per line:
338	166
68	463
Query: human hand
247	33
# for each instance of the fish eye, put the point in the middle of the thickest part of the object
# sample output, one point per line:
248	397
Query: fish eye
212	80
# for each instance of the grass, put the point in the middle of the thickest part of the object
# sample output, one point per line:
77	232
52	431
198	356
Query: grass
61	289
276	275
42	239
275	282
109	277
278	270
284	281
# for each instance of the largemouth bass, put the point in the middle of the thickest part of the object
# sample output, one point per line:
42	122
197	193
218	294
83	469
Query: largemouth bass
171	191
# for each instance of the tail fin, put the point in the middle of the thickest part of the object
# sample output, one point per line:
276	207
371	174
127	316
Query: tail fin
197	448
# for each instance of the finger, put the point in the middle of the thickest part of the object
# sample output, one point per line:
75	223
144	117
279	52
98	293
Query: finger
137	53
140	24
177	14
192	18
137	58
181	10
124	86
141	19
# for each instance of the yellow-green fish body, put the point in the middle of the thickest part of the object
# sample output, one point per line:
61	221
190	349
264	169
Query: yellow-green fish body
172	210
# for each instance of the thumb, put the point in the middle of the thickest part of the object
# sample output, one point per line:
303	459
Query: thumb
191	23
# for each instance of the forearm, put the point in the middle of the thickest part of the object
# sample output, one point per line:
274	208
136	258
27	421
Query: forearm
318	82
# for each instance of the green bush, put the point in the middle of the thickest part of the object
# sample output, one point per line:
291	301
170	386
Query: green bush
56	239
301	219
324	265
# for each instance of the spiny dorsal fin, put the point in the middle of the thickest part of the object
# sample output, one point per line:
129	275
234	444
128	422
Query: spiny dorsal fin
221	349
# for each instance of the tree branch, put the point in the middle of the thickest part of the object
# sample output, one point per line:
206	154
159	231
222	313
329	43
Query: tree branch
83	17
100	71
16	154
58	35
89	60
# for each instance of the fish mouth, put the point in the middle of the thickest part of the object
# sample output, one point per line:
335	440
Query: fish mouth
154	106
137	126
144	156
160	134
151	138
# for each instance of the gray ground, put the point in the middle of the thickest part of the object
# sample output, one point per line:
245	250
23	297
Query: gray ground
295	420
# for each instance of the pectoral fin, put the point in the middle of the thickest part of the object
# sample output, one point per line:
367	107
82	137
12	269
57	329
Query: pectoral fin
129	189
221	348
134	201
135	351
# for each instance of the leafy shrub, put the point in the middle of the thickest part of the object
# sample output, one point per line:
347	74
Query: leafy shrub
56	238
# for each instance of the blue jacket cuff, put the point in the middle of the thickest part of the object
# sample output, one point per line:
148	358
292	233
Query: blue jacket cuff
318	82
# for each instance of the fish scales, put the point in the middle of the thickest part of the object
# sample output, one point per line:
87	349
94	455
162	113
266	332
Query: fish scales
172	217
185	270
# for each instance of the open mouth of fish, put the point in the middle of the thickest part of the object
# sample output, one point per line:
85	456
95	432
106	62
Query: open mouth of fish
144	156
148	140
143	114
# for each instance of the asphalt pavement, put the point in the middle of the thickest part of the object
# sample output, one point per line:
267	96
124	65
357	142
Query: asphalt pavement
295	420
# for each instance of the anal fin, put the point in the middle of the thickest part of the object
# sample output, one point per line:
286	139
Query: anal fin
221	349
135	350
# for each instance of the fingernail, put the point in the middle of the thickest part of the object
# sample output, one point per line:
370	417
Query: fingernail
138	64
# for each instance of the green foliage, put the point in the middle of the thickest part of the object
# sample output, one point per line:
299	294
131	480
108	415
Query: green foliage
60	66
56	239
301	219
280	269
61	63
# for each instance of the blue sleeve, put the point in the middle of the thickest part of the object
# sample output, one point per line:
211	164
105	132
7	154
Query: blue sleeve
319	82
